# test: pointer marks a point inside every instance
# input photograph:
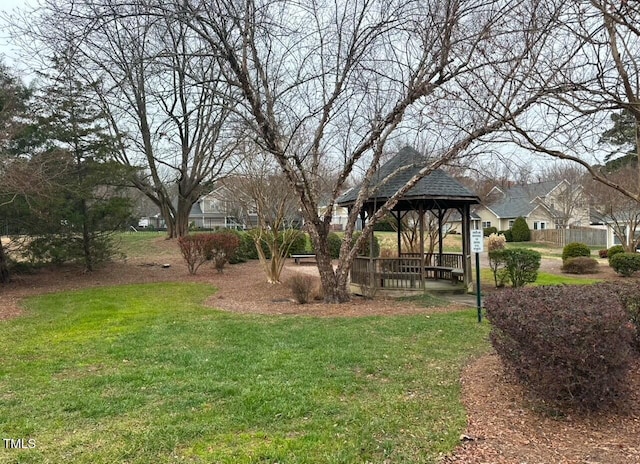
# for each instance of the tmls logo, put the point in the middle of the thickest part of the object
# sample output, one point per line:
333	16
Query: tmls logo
19	443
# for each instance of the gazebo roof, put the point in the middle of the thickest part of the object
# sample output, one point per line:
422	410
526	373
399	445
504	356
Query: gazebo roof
437	188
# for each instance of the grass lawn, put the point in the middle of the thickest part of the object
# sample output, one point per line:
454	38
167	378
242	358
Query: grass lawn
544	278
136	244
147	374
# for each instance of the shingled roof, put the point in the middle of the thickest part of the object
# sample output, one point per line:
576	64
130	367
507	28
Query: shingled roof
519	200
438	185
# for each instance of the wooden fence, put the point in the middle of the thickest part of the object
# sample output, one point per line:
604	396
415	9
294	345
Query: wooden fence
587	235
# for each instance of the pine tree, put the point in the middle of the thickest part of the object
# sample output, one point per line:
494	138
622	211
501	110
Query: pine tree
623	135
14	97
88	206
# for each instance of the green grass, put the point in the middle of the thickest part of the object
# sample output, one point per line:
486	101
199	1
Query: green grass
147	374
137	244
544	278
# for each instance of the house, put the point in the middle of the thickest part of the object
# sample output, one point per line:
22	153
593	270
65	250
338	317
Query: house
339	217
218	209
544	205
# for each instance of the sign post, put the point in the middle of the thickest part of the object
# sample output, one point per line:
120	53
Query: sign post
477	247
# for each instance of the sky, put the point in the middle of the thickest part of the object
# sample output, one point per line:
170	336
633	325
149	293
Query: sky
7	49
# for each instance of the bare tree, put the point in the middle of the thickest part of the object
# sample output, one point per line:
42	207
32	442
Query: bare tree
601	78
353	74
620	212
259	186
167	104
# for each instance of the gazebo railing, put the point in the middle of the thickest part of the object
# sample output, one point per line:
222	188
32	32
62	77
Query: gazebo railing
405	271
452	260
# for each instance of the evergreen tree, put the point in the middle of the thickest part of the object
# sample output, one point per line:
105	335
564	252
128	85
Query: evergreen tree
76	223
622	135
14	97
520	231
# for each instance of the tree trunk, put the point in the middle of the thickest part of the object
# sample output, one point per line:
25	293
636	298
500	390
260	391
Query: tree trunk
86	239
169	220
4	266
334	286
182	217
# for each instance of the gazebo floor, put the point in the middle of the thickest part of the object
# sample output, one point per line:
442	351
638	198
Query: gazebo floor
430	286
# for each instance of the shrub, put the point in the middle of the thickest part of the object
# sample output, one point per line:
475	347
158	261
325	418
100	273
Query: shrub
334	242
614	250
196	250
222	246
246	249
496	264
496	242
508	236
299	244
301	286
489	230
603	253
575	249
521	265
364	249
625	264
563	343
520	231
628	294
387	224
580	265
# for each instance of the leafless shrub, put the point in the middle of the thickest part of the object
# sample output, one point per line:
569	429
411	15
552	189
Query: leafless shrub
301	285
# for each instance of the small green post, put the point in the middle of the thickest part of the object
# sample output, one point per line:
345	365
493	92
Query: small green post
478	295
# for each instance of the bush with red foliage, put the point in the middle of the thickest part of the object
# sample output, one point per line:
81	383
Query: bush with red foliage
570	345
628	294
580	265
223	246
196	250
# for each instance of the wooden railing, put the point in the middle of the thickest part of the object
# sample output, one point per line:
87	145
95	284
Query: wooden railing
408	271
452	260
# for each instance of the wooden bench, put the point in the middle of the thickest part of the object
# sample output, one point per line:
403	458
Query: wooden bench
299	257
442	272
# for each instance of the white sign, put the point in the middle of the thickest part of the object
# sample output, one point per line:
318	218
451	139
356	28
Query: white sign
477	241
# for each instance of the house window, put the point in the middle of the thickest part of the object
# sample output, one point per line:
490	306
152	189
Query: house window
511	223
486	224
539	225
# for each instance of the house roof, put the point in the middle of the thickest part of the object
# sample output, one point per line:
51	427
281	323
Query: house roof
437	185
519	200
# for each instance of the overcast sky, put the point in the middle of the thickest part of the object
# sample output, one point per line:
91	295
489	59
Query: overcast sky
7	49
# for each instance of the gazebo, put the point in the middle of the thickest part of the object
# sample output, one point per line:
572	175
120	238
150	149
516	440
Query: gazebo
414	271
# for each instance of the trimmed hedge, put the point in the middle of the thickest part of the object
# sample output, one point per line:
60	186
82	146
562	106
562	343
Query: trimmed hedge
574	250
625	264
571	346
614	250
628	294
508	236
489	230
580	265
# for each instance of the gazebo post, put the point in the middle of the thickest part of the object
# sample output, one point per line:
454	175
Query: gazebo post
440	215
399	233
466	245
422	257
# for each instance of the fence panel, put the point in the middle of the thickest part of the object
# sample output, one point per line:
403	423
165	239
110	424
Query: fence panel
560	237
